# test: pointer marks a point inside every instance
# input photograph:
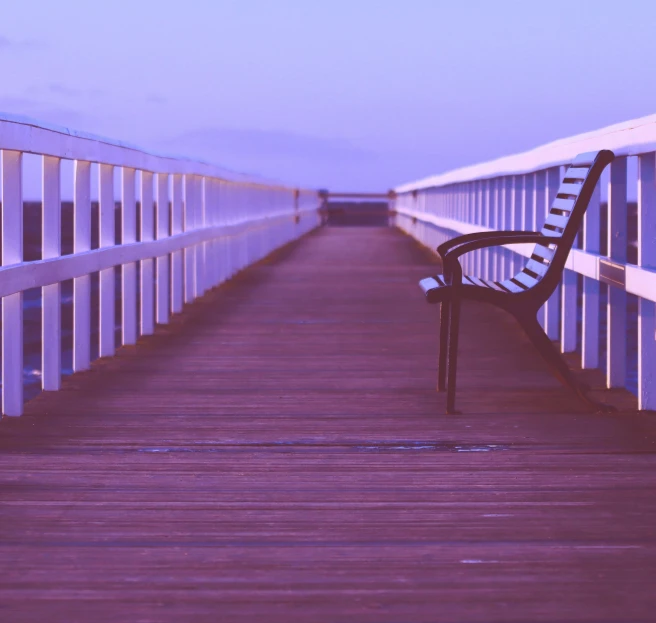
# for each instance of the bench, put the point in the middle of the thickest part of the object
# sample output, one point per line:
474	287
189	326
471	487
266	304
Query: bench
525	293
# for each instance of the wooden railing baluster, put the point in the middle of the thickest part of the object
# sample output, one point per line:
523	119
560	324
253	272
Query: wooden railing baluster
51	294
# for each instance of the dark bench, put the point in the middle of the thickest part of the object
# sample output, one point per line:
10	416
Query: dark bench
525	293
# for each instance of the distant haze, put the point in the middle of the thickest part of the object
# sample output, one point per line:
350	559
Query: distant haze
346	94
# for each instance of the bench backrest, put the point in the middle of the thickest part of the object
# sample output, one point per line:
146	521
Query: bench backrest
544	269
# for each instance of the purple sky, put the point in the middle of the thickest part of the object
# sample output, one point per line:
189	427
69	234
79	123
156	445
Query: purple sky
346	94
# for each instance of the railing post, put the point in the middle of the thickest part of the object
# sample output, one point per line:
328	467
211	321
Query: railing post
210	253
227	220
539	200
498	224
189	252
471	218
528	206
177	279
568	297
492	224
480	220
616	325
129	270
516	261
220	220
147	319
568	312
485	212
507	224
107	283
162	266
552	306
647	259
82	285
12	305
200	221
51	295
590	311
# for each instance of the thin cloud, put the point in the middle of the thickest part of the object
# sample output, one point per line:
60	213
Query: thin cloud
45	112
287	156
73	92
267	144
6	43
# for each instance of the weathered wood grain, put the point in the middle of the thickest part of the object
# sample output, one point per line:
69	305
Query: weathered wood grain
278	453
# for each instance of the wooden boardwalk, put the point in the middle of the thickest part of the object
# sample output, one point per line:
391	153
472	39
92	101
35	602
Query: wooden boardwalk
278	453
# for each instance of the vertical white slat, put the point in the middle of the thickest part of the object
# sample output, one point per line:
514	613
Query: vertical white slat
129	271
539	197
507	223
466	217
498	224
517	261
616	323
162	231
239	215
568	312
647	259
107	299
220	241
480	220
177	279
82	285
485	196
200	248
189	252
552	306
590	311
214	212
147	315
528	206
12	305
51	295
491	219
568	294
207	220
225	220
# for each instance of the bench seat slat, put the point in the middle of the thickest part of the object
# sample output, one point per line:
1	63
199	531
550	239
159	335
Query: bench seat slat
544	252
557	220
537	267
510	286
526	279
586	159
570	189
576	173
560	203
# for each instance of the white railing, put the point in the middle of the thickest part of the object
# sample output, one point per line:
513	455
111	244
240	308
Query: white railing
516	192
196	229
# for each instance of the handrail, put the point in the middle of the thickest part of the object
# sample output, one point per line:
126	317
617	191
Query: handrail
629	138
516	193
27	135
199	225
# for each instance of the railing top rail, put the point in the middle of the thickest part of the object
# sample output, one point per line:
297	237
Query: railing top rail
629	138
27	135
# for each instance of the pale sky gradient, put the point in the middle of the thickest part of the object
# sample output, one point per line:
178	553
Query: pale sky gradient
343	94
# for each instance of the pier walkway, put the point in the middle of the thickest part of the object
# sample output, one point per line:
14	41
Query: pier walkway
278	453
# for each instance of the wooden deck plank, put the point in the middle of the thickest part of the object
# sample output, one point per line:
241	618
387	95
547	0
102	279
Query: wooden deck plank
279	453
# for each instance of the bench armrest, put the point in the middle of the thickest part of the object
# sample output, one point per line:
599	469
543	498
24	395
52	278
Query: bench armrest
452	268
447	246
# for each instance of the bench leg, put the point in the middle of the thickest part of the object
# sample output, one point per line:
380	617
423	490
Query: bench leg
452	367
558	365
444	344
